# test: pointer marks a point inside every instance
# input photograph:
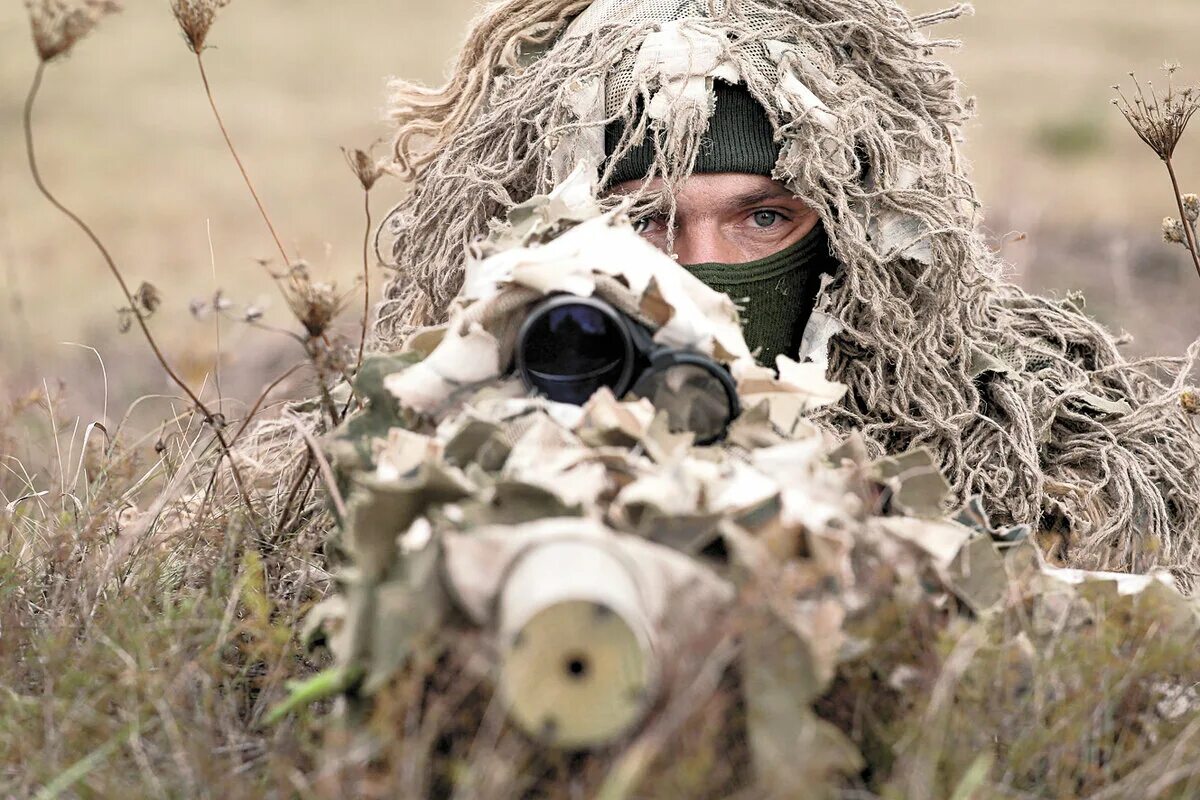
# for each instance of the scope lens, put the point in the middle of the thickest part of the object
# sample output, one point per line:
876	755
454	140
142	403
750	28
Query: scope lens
695	399
569	350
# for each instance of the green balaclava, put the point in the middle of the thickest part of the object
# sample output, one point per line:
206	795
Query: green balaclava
776	294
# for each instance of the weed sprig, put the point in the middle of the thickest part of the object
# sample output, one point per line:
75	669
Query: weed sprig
57	27
58	24
1160	120
368	170
314	304
196	18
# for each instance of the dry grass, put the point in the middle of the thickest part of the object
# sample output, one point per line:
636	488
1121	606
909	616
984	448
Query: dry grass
140	658
125	120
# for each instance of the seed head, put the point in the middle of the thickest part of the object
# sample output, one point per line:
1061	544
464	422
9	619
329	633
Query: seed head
314	303
195	18
1172	231
58	24
367	169
147	297
1191	207
1190	400
1159	119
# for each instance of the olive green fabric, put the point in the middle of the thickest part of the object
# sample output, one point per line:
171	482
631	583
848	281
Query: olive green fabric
739	139
775	294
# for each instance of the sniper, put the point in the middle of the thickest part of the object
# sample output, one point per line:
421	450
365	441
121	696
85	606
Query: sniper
802	157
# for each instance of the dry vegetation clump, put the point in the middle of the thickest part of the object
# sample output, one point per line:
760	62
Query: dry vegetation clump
1160	120
436	730
196	18
58	24
1091	694
149	596
1096	695
139	659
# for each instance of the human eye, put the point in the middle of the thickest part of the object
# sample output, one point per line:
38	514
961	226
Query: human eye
648	225
767	218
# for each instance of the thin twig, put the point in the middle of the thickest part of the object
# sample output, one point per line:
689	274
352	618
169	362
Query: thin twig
362	340
241	167
212	481
213	420
312	350
285	515
212	260
304	495
261	398
1187	225
326	471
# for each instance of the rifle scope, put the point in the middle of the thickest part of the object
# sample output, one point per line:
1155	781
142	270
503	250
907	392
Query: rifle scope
568	347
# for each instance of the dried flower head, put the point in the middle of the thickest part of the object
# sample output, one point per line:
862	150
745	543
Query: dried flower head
1159	119
58	24
367	169
1191	207
195	18
1190	400
314	303
1172	231
147	297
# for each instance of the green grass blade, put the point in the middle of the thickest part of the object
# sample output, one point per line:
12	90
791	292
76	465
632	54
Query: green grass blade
80	769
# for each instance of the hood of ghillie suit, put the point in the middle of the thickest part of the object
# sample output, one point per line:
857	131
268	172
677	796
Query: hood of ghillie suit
1022	399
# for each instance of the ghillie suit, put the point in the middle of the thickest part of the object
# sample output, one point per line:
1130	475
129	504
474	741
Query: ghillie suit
1024	400
541	599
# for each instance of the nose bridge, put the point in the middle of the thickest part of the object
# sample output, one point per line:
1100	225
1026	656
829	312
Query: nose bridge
700	240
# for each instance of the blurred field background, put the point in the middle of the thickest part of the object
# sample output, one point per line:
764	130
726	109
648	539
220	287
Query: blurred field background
126	137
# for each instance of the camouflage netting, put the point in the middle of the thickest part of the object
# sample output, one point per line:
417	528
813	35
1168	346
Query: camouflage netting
545	600
1023	400
853	654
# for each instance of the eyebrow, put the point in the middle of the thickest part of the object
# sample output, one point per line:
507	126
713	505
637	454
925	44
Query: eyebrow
757	196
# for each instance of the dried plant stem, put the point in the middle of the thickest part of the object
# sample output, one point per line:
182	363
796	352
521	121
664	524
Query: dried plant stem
312	348
261	399
310	345
323	467
285	516
362	338
241	167
303	501
1187	226
366	246
213	420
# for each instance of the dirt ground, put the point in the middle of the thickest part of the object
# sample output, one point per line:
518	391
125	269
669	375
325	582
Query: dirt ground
125	135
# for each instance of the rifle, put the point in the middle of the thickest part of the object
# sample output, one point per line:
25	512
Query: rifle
582	513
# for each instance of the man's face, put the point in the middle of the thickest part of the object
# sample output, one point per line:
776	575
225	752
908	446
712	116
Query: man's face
729	218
